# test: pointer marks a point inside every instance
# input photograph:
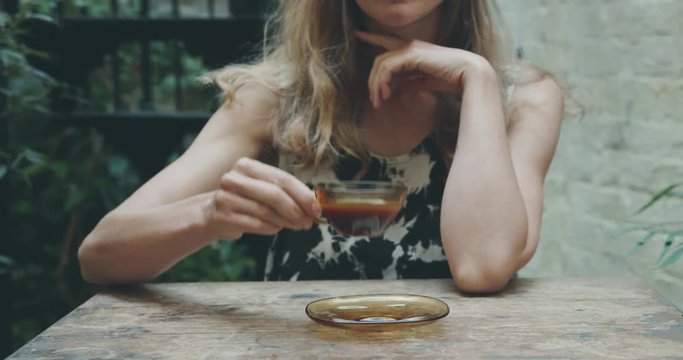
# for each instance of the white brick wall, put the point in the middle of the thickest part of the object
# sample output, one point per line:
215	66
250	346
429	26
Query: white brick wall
622	60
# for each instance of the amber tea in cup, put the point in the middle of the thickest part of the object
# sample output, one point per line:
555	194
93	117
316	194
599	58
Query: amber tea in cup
360	208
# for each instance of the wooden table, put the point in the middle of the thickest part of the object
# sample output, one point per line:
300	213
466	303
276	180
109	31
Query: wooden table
558	318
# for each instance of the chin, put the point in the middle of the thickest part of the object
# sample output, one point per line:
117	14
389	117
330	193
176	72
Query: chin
397	13
396	19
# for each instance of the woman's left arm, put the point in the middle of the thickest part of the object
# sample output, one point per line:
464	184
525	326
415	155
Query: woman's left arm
492	204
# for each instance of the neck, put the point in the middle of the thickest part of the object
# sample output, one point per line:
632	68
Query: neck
409	118
425	29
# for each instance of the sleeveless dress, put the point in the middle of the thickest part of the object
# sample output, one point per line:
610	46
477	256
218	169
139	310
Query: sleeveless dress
410	247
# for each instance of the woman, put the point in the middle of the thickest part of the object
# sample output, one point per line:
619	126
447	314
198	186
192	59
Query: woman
370	89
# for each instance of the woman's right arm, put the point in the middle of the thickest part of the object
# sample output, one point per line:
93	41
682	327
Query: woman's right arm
215	190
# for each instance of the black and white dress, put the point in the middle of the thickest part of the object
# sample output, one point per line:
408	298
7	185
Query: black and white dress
409	248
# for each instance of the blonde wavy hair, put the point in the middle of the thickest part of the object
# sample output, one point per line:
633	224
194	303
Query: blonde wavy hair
313	62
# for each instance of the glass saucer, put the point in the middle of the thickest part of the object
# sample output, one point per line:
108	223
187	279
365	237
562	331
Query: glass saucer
377	312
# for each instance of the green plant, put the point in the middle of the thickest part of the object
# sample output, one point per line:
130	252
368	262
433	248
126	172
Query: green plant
62	181
220	261
672	232
194	95
79	7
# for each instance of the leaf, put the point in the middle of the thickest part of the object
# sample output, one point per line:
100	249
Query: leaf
41	109
672	258
34	169
667	246
5	261
44	77
11	57
644	240
118	166
3	171
33	156
658	196
4	19
669	241
29	51
42	18
628	230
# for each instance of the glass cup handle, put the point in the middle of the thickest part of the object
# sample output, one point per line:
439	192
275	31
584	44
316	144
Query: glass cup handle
320	219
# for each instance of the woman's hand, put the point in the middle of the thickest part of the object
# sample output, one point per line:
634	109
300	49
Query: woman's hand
419	66
259	199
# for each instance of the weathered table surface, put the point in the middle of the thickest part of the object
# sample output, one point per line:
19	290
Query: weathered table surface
546	318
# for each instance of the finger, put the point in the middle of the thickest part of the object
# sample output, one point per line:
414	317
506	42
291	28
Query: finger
378	84
250	207
384	77
383	41
371	88
268	193
389	68
386	91
373	80
250	224
296	189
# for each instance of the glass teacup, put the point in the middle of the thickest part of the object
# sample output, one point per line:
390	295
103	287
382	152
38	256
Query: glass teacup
360	208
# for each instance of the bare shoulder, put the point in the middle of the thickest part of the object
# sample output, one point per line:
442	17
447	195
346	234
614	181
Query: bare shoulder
536	91
257	99
247	113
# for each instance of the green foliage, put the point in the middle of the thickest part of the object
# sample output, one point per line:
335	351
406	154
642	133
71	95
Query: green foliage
5	264
25	87
63	180
671	232
672	258
194	96
60	181
77	7
220	261
38	6
668	191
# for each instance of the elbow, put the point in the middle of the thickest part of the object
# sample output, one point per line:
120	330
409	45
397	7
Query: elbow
92	254
98	268
87	258
482	279
105	260
92	260
95	262
486	271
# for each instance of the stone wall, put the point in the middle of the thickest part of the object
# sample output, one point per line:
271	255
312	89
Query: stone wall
621	62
